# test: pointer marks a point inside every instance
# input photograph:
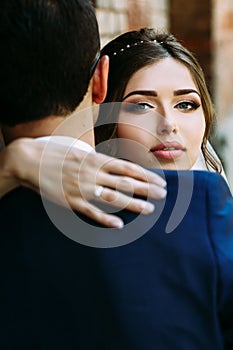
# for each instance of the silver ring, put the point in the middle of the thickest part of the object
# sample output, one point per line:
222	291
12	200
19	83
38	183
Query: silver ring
98	191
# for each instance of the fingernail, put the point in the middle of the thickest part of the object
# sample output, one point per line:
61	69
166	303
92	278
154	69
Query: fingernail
160	181
147	207
164	183
117	224
159	193
163	192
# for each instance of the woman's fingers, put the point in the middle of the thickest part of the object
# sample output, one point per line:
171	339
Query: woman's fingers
107	180
121	175
126	168
120	200
133	186
97	215
111	198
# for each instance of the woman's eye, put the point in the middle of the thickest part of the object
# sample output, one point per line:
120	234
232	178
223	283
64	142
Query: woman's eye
137	107
187	106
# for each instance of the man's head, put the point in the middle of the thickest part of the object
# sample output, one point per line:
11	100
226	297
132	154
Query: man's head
47	50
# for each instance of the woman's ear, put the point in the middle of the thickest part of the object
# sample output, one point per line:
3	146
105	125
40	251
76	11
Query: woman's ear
100	80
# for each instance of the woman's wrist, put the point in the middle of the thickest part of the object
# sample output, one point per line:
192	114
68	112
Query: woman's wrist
15	164
8	180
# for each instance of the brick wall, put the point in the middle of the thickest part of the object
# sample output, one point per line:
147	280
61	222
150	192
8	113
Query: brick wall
112	17
223	63
148	13
118	16
223	80
192	25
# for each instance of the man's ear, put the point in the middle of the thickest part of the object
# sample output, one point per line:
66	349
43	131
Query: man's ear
100	80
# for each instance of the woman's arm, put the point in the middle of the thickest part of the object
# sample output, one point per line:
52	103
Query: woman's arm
79	173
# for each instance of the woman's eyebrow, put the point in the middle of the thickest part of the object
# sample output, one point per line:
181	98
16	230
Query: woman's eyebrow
141	92
154	93
185	92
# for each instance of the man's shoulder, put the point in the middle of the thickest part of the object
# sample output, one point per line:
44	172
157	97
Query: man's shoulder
200	180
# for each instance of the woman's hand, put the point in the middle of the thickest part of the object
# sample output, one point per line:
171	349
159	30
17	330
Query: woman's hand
72	177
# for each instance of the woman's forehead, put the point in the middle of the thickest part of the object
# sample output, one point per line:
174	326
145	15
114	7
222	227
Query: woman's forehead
165	72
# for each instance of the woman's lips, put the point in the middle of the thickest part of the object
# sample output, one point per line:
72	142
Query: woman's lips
168	150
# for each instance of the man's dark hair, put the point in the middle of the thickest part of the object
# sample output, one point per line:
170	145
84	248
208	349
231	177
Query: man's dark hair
47	50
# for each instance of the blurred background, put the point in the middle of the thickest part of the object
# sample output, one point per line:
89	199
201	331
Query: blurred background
203	26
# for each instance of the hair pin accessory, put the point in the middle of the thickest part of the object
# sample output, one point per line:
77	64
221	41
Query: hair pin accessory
128	46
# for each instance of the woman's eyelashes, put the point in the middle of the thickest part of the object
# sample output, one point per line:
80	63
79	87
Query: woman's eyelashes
137	107
187	106
140	107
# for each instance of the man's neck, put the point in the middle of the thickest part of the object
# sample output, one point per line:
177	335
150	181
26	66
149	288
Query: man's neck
79	125
31	129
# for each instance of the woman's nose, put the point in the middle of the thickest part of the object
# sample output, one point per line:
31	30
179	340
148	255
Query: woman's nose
166	125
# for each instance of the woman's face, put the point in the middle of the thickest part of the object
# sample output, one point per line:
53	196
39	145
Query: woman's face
161	122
